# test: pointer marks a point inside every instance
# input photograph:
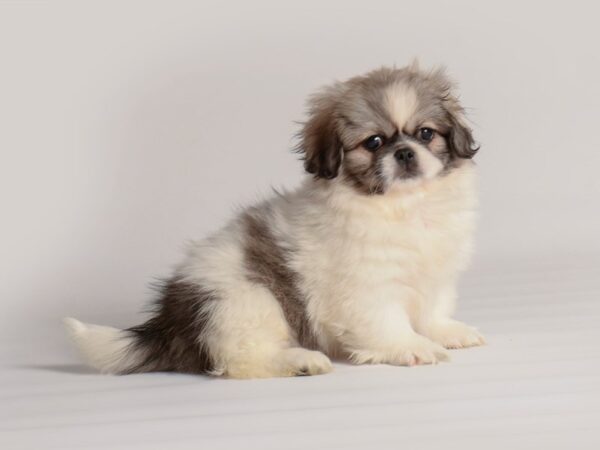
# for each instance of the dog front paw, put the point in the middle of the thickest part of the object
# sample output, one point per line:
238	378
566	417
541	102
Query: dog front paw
451	333
418	350
412	350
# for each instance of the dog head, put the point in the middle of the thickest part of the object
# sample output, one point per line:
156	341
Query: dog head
384	129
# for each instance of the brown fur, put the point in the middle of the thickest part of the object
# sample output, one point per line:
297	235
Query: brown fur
169	341
266	264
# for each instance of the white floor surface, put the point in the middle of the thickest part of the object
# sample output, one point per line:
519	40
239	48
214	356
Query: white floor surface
535	385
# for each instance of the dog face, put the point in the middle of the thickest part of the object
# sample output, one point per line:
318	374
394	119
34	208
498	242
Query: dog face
385	129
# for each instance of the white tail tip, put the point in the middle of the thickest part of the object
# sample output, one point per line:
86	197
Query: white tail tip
73	326
104	348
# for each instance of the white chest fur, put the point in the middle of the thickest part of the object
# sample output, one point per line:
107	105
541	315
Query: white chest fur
404	248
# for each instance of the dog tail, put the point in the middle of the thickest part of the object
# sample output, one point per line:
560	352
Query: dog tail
107	349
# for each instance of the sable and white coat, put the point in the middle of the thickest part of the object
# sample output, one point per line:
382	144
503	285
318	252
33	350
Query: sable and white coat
359	263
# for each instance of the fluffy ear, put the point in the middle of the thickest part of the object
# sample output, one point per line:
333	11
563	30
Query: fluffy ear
319	140
460	137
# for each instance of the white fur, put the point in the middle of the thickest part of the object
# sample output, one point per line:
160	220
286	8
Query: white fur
104	348
429	164
386	265
402	102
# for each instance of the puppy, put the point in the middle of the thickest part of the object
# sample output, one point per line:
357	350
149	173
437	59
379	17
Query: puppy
360	262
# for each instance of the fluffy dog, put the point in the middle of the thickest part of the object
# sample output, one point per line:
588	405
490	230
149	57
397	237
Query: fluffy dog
360	262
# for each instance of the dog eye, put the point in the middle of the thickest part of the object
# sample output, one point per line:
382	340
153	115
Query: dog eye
426	134
372	143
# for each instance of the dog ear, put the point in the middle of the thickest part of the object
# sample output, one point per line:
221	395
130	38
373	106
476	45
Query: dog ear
319	139
460	136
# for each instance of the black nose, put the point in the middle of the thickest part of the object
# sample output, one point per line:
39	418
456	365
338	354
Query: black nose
404	155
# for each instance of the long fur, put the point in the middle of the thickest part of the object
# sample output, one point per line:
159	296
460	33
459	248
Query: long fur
360	262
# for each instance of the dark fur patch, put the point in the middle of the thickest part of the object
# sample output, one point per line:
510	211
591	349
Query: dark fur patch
169	340
460	139
266	263
320	143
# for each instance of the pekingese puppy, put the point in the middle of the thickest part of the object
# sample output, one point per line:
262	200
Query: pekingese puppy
360	262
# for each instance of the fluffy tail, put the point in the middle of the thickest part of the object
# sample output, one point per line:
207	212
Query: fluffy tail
107	349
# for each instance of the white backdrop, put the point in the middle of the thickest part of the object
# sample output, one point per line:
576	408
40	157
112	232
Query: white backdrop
128	127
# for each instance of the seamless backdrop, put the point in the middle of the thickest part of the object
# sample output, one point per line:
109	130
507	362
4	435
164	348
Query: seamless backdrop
129	127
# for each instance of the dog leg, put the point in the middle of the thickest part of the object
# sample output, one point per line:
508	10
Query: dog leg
441	328
384	335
